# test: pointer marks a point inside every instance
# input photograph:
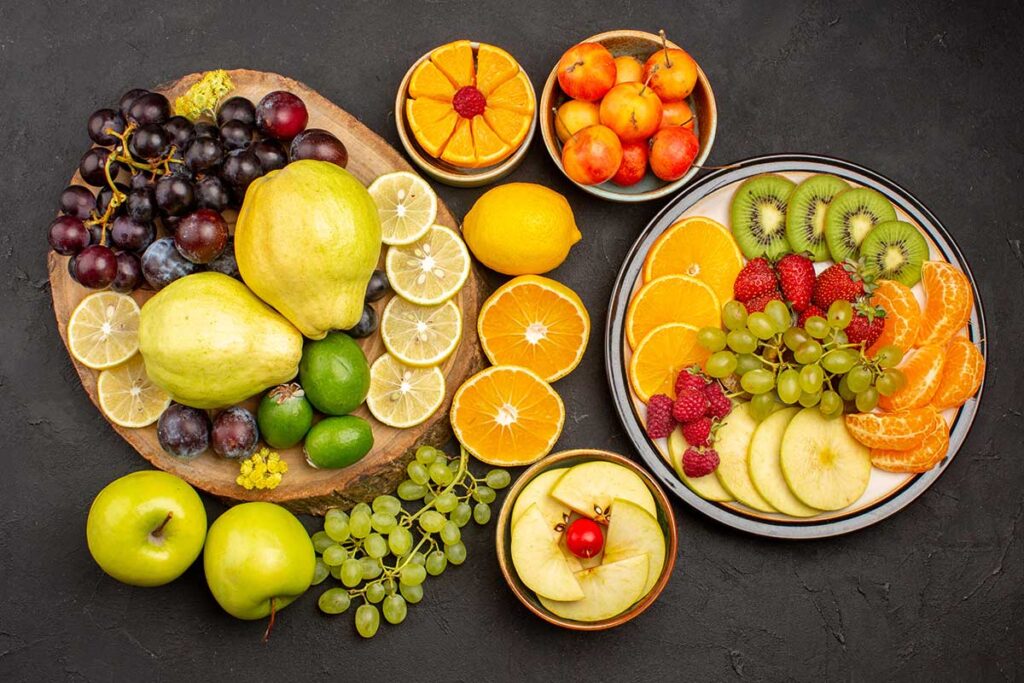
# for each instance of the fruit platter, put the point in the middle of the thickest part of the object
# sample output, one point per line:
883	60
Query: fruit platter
796	347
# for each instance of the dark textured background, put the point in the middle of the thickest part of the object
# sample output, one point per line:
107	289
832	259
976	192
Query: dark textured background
928	94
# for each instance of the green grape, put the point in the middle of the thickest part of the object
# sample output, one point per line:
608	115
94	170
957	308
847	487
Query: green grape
867	400
426	454
890	381
831	404
412	574
794	337
351	572
844	389
359	523
758	381
461	514
808	352
456	552
419	558
360	507
429	497
411	594
450	533
394	609
382	522
375	546
367	620
780	315
371	568
711	338
440	474
734	315
720	364
400	541
838	361
484	494
375	592
840	313
387	505
334	601
389	586
840	338
432	521
320	572
859	378
436	562
745	362
807	400
816	326
482	513
811	377
410	490
789	386
446	502
336	572
888	356
498	479
742	341
335	555
762	405
454	465
417	472
761	325
321	541
336	526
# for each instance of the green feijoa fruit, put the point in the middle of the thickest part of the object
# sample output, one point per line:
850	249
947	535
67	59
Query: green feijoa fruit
284	416
338	442
334	373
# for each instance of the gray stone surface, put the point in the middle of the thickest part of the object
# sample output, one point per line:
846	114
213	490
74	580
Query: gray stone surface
928	94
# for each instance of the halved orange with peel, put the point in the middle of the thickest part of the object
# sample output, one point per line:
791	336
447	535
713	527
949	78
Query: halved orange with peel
948	302
921	458
660	356
698	247
897	431
671	299
922	369
962	373
507	416
902	315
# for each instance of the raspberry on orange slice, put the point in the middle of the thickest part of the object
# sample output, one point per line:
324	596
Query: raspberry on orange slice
961	374
948	302
902	315
922	458
922	369
899	431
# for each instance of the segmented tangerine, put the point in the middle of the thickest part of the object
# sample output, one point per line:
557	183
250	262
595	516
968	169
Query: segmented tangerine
948	301
922	369
922	458
898	431
961	374
902	315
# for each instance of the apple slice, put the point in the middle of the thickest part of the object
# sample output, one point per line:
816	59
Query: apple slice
537	493
538	559
765	472
633	531
609	589
824	466
707	487
597	483
732	443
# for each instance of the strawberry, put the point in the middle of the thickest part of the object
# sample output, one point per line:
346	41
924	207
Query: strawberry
796	275
761	300
699	462
689	406
757	277
866	325
838	281
698	432
690	379
810	312
719	404
660	422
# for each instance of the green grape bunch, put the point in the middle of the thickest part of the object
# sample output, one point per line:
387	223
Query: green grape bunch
382	553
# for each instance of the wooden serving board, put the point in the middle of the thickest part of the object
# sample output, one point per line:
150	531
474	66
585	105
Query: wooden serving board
304	489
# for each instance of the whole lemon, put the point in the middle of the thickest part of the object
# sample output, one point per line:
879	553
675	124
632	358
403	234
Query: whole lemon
520	229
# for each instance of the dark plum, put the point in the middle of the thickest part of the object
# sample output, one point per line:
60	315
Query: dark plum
129	273
204	154
237	109
68	235
212	193
92	164
234	434
131	235
367	324
128	99
77	201
318	144
281	115
378	286
141	205
100	122
96	266
241	167
271	154
201	236
226	262
149	108
179	131
182	431
149	141
162	264
175	195
236	135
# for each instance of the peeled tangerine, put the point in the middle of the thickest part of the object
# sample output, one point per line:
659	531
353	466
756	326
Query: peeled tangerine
210	342
307	240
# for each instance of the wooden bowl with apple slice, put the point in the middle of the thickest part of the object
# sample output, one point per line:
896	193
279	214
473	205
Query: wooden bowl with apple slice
641	45
563	461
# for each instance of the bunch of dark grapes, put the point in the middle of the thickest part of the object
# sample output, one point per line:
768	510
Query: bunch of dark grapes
161	186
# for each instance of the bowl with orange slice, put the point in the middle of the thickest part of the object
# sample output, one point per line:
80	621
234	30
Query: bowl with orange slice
796	346
465	113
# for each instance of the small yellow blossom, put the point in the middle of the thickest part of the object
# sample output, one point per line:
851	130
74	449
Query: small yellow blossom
204	95
262	470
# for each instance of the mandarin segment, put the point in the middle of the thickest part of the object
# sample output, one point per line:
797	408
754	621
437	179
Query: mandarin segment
459	150
902	315
429	81
698	247
432	123
671	299
494	66
962	374
899	431
922	458
660	356
922	369
488	148
509	125
515	94
948	302
455	60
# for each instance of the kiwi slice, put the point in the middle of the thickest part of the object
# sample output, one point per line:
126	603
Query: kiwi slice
805	217
894	250
849	219
758	214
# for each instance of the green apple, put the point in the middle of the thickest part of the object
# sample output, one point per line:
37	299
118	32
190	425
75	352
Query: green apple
608	589
538	492
765	470
593	485
732	444
633	531
539	561
258	560
824	466
146	528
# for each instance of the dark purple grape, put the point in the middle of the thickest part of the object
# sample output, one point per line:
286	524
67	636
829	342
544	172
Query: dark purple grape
203	154
241	167
226	262
131	235
149	141
212	193
143	180
141	205
182	431
170	223
318	144
281	115
149	108
128	99
201	236
105	194
237	135
237	109
71	269
162	264
177	168
235	434
180	131
175	195
68	235
206	129
96	266
98	236
367	324
271	154
100	122
77	201
129	273
92	164
378	286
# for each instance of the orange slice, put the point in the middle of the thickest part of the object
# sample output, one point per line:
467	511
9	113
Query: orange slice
948	301
510	126
488	147
922	458
961	374
516	94
698	247
660	356
507	416
494	66
429	81
922	369
459	150
535	323
431	122
902	315
897	431
671	299
455	60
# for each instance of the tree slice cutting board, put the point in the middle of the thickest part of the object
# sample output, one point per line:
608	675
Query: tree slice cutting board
304	489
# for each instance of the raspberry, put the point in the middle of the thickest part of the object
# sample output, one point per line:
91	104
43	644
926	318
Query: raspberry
690	379
660	422
719	404
698	432
758	303
699	462
469	102
689	406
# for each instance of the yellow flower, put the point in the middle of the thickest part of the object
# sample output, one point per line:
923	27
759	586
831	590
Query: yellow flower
204	95
261	470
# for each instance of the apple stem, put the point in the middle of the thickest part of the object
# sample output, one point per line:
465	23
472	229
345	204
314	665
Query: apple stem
646	82
270	624
160	529
664	45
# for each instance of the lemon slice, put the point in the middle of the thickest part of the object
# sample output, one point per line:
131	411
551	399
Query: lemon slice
128	397
406	204
104	330
403	396
421	336
431	270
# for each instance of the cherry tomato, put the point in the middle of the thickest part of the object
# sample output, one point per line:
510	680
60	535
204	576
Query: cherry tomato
584	538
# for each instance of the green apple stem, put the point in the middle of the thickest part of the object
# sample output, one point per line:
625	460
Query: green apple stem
270	624
157	533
